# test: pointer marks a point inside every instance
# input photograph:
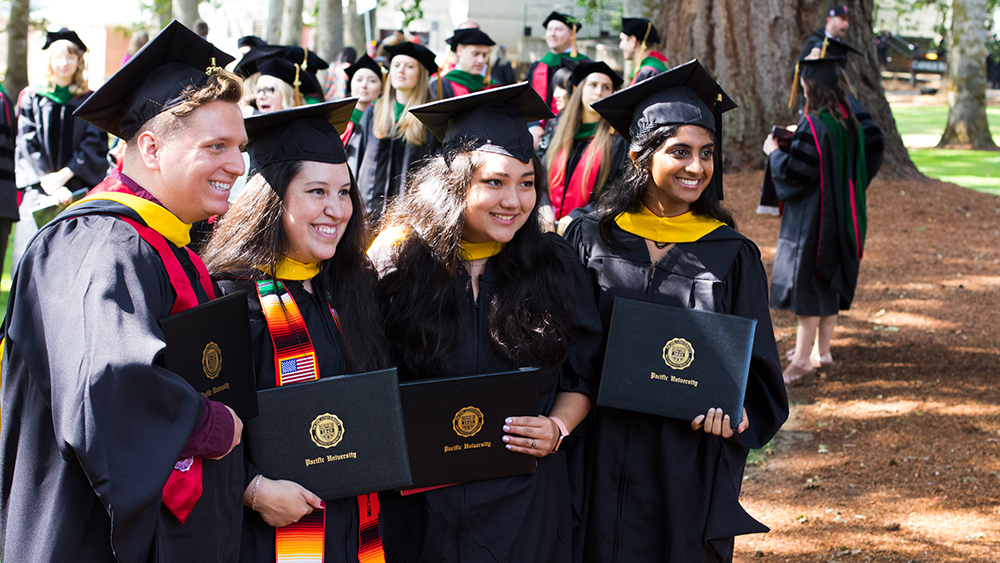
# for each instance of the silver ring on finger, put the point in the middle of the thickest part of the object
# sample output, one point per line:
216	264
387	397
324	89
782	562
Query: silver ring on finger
532	442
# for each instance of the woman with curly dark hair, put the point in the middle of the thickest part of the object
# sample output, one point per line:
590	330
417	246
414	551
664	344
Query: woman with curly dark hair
664	489
295	242
469	284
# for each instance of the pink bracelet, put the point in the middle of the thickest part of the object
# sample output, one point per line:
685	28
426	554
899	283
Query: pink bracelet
562	426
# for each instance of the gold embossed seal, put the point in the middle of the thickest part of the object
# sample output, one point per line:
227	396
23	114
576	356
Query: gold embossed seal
211	360
678	353
327	430
467	422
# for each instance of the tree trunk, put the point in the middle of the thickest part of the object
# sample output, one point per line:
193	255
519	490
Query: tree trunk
273	32
17	48
330	29
750	48
967	125
354	28
163	13
291	23
186	12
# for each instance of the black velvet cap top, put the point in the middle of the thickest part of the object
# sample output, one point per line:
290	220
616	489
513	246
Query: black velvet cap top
303	133
250	41
286	71
571	22
152	81
493	120
63	35
637	27
364	62
684	95
823	71
423	55
585	68
306	59
469	36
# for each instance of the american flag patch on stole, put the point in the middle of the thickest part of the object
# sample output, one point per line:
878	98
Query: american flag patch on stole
299	368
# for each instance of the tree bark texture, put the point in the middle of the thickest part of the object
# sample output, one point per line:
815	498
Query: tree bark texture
274	10
17	48
186	12
750	47
330	29
967	125
354	28
291	23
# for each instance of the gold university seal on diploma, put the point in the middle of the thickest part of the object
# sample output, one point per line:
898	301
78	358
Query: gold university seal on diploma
211	360
327	430
467	422
678	353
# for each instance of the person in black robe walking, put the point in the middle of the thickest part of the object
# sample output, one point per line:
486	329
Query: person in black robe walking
469	285
663	489
835	153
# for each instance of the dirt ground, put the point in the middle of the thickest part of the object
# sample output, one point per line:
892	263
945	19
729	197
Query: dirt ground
892	456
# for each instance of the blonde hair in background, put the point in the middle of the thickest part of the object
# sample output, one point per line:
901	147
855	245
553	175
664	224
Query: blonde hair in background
570	120
408	126
79	84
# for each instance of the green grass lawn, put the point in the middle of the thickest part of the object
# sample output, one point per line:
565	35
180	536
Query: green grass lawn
922	126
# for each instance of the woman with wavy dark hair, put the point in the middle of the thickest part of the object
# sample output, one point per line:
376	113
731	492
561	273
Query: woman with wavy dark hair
835	152
295	241
469	284
664	489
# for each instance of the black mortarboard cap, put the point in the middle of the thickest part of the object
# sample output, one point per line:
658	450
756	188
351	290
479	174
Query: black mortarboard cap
838	10
684	95
823	71
469	36
364	62
835	47
250	41
639	27
423	55
152	81
586	68
63	35
286	70
570	21
303	133
494	120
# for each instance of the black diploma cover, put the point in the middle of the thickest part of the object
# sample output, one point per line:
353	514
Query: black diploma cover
337	436
676	362
454	426
209	346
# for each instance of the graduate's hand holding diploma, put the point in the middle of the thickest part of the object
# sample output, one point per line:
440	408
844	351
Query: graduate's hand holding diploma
716	422
281	502
533	435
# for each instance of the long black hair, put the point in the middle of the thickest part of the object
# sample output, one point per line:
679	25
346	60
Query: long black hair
625	195
252	234
529	309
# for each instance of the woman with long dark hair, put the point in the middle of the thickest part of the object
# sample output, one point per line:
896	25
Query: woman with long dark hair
584	153
835	152
390	140
469	284
664	489
295	241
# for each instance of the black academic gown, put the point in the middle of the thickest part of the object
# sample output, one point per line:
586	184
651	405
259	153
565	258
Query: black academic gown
92	424
805	280
659	490
619	154
384	163
49	139
510	519
341	532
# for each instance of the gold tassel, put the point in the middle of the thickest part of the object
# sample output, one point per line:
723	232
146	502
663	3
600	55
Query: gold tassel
212	68
489	69
297	83
439	83
795	86
822	52
573	53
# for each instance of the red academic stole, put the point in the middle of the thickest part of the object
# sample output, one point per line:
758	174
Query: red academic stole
658	56
295	362
581	183
346	136
459	89
184	486
540	82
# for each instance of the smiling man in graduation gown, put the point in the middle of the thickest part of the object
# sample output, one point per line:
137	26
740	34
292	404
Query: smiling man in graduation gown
104	454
